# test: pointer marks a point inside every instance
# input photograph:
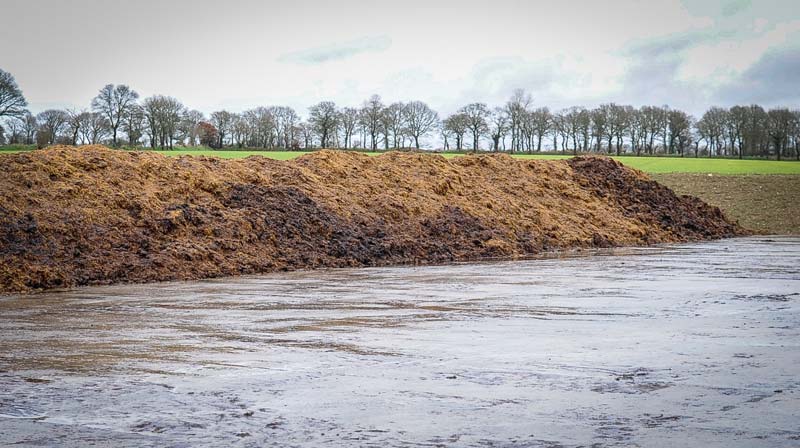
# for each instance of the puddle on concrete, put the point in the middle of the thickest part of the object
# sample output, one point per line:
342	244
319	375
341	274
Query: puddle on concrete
691	345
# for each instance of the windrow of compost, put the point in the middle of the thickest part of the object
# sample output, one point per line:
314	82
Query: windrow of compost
91	215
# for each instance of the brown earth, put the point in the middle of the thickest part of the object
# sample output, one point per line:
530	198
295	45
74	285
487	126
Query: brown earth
766	203
91	215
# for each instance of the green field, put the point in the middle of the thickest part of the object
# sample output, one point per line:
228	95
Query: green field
647	164
716	166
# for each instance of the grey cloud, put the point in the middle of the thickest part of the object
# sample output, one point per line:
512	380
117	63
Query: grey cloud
652	79
653	82
734	7
673	44
722	8
652	76
494	79
338	51
772	80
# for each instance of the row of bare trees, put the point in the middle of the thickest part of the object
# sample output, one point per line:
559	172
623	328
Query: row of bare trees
374	125
116	117
611	128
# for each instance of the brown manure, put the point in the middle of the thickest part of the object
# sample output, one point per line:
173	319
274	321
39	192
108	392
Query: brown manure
91	215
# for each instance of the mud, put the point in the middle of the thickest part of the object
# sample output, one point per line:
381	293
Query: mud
72	217
679	345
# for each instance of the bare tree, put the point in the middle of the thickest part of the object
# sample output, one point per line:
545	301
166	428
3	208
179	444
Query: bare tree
93	127
420	120
29	127
307	132
51	123
541	121
610	112
239	130
371	116
498	126
285	123
615	120
650	126
113	102
599	127
557	129
393	122
13	127
737	122
323	118
189	126
348	117
711	128
476	115
163	114
633	128
73	125
172	113
795	133
581	128
446	133
457	125
261	126
12	102
747	129
222	120
679	125
517	109
780	128
133	124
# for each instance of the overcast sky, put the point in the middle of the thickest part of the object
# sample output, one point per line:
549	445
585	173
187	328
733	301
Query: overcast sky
238	54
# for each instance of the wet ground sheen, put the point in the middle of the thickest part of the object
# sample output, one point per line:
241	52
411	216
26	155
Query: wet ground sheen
685	345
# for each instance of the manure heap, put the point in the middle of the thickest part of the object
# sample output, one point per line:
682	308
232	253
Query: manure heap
92	215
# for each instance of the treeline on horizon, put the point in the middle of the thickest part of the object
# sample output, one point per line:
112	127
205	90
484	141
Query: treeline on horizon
117	117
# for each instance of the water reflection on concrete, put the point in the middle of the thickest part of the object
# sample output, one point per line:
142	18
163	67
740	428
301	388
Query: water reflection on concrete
689	345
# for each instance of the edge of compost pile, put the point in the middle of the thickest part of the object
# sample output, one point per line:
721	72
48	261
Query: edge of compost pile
91	215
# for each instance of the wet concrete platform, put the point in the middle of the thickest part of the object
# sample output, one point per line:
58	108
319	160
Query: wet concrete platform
682	345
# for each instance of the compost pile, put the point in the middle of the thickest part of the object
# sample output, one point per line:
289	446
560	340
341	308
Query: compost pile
91	215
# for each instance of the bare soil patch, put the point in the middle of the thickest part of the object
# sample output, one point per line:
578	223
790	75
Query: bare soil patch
764	203
91	215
